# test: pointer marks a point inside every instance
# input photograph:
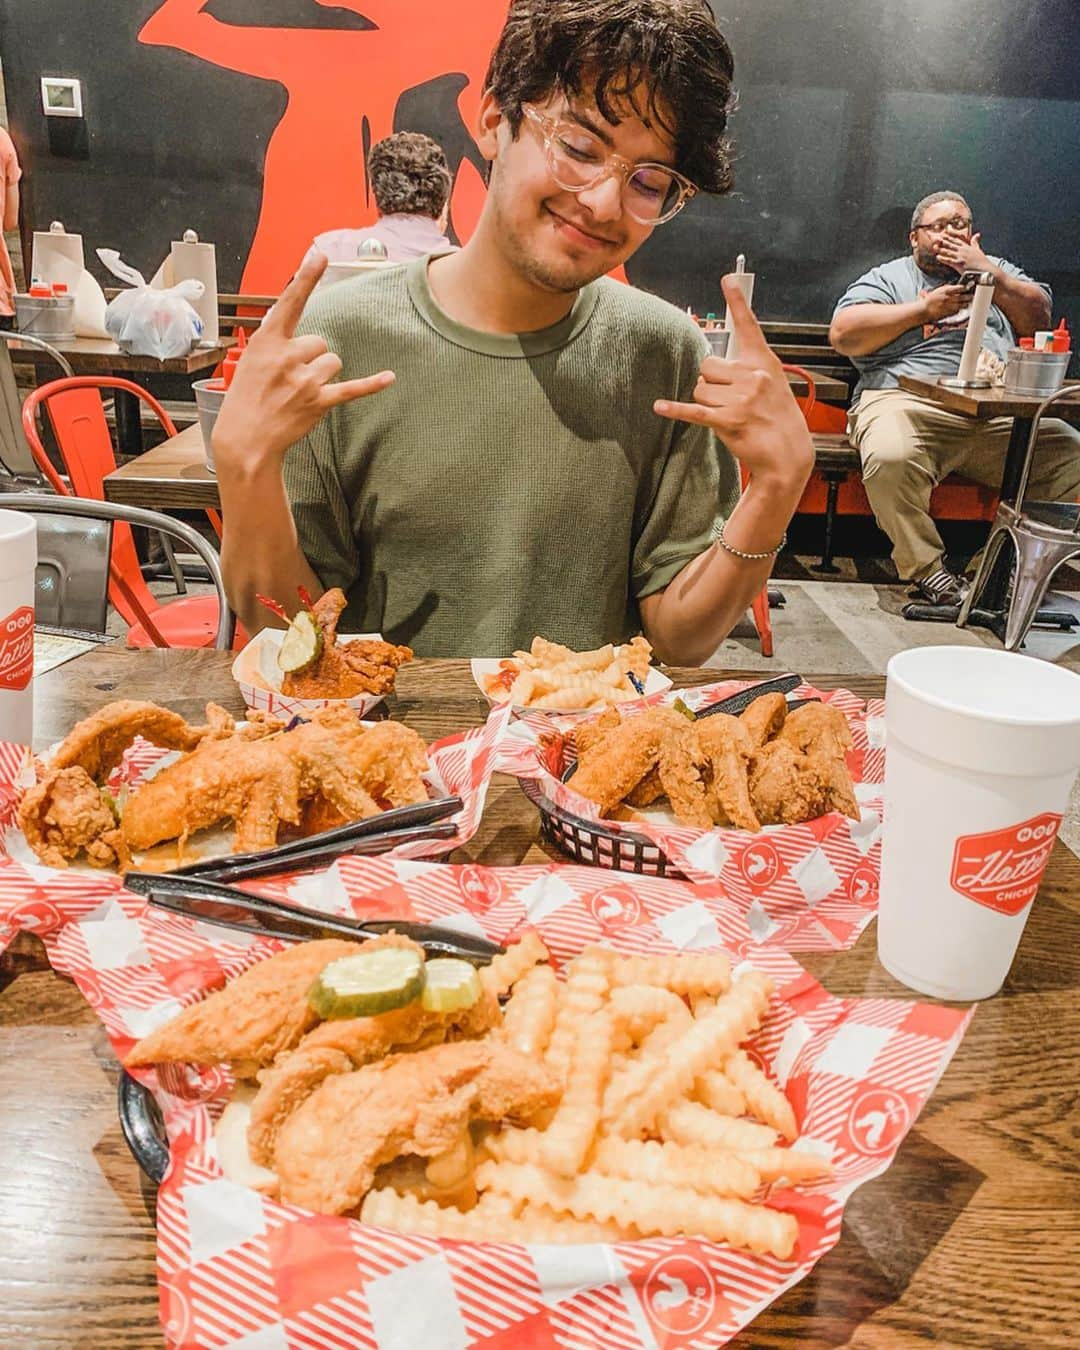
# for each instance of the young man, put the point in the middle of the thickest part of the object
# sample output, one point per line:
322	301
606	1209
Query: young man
410	180
546	460
909	317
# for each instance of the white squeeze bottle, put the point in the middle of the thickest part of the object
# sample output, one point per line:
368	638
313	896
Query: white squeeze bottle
18	560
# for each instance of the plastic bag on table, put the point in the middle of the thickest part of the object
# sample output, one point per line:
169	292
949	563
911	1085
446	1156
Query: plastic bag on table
148	322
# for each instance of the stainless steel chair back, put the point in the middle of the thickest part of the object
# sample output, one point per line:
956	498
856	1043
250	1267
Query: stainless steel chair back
16	461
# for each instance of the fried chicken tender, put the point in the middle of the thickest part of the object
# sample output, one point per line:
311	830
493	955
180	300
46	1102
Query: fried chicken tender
764	717
259	784
256	1016
680	775
328	1150
363	666
97	743
342	1045
65	815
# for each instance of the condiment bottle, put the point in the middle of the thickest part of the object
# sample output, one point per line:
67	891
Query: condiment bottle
1062	341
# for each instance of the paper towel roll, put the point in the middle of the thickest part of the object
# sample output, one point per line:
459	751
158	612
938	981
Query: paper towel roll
745	283
89	308
980	310
191	260
57	256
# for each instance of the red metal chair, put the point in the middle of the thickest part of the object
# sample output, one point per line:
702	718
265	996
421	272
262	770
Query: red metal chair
77	416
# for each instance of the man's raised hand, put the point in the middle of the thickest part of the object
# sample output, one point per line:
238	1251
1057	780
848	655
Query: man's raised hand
748	402
283	384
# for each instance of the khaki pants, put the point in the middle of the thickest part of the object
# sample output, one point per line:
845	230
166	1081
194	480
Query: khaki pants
909	444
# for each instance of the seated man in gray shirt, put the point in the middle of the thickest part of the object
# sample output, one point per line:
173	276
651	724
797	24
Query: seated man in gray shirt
908	317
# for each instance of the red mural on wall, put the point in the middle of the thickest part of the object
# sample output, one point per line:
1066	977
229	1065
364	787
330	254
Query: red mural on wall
313	174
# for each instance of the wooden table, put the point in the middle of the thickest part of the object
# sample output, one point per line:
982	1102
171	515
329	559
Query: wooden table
102	356
971	1238
170	477
982	405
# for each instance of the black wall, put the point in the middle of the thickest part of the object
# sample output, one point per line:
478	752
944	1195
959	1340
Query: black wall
850	110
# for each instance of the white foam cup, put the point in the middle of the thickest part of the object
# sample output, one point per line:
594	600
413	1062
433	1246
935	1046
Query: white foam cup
18	559
982	747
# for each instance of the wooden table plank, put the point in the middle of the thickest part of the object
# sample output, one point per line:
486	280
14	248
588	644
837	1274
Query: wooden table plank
102	356
970	1238
172	476
986	403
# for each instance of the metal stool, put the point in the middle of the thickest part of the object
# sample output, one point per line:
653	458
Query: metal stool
1044	535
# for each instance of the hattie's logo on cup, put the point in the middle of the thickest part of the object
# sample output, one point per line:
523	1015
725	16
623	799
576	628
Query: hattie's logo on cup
1002	868
17	648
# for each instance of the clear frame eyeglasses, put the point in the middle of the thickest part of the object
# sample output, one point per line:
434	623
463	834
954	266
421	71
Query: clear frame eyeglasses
960	223
651	193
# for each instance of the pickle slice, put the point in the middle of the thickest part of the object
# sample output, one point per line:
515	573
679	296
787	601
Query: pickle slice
368	983
301	645
449	984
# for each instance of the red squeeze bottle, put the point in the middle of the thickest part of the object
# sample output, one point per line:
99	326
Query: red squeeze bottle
1061	341
41	290
1027	344
228	366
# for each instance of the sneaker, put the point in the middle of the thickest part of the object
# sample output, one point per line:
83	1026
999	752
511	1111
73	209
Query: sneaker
941	588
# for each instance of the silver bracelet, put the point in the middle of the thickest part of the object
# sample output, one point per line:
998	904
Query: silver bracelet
748	557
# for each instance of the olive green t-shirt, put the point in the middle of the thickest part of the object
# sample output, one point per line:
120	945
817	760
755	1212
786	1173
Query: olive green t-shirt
504	486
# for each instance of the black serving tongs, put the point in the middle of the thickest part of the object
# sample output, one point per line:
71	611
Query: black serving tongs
211	902
375	834
737	703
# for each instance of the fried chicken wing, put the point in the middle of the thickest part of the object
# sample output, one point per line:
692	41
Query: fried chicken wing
65	815
764	717
787	787
328	1150
818	728
727	747
97	743
256	1016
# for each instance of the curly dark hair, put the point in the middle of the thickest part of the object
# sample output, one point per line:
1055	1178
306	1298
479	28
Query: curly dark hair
409	175
607	48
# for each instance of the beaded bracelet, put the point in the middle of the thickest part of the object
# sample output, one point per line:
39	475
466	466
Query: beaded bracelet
748	557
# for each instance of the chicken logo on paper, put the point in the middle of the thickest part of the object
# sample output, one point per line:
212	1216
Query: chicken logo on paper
862	886
17	648
615	907
760	863
680	1296
481	888
1002	868
877	1120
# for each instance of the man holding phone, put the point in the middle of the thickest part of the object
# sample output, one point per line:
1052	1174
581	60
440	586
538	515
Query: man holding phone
909	317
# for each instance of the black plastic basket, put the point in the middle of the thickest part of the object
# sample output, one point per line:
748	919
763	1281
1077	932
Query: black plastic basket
595	845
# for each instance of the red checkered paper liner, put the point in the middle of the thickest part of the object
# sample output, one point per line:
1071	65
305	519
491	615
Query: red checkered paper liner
236	1268
811	887
461	765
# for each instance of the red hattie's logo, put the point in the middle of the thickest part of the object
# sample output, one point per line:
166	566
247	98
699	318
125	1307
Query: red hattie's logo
1002	868
615	907
680	1296
759	863
481	888
17	648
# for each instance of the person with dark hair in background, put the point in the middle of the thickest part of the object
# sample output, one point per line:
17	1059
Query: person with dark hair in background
542	457
410	180
10	173
908	317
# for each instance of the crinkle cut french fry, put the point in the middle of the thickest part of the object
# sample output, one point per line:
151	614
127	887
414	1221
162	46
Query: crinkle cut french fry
763	1098
695	1126
504	970
649	1088
719	1093
651	1209
584	993
491	1220
529	1017
708	1171
569	1136
641	1007
687	973
795	1164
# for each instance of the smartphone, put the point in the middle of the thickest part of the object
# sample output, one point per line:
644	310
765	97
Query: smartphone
969	280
